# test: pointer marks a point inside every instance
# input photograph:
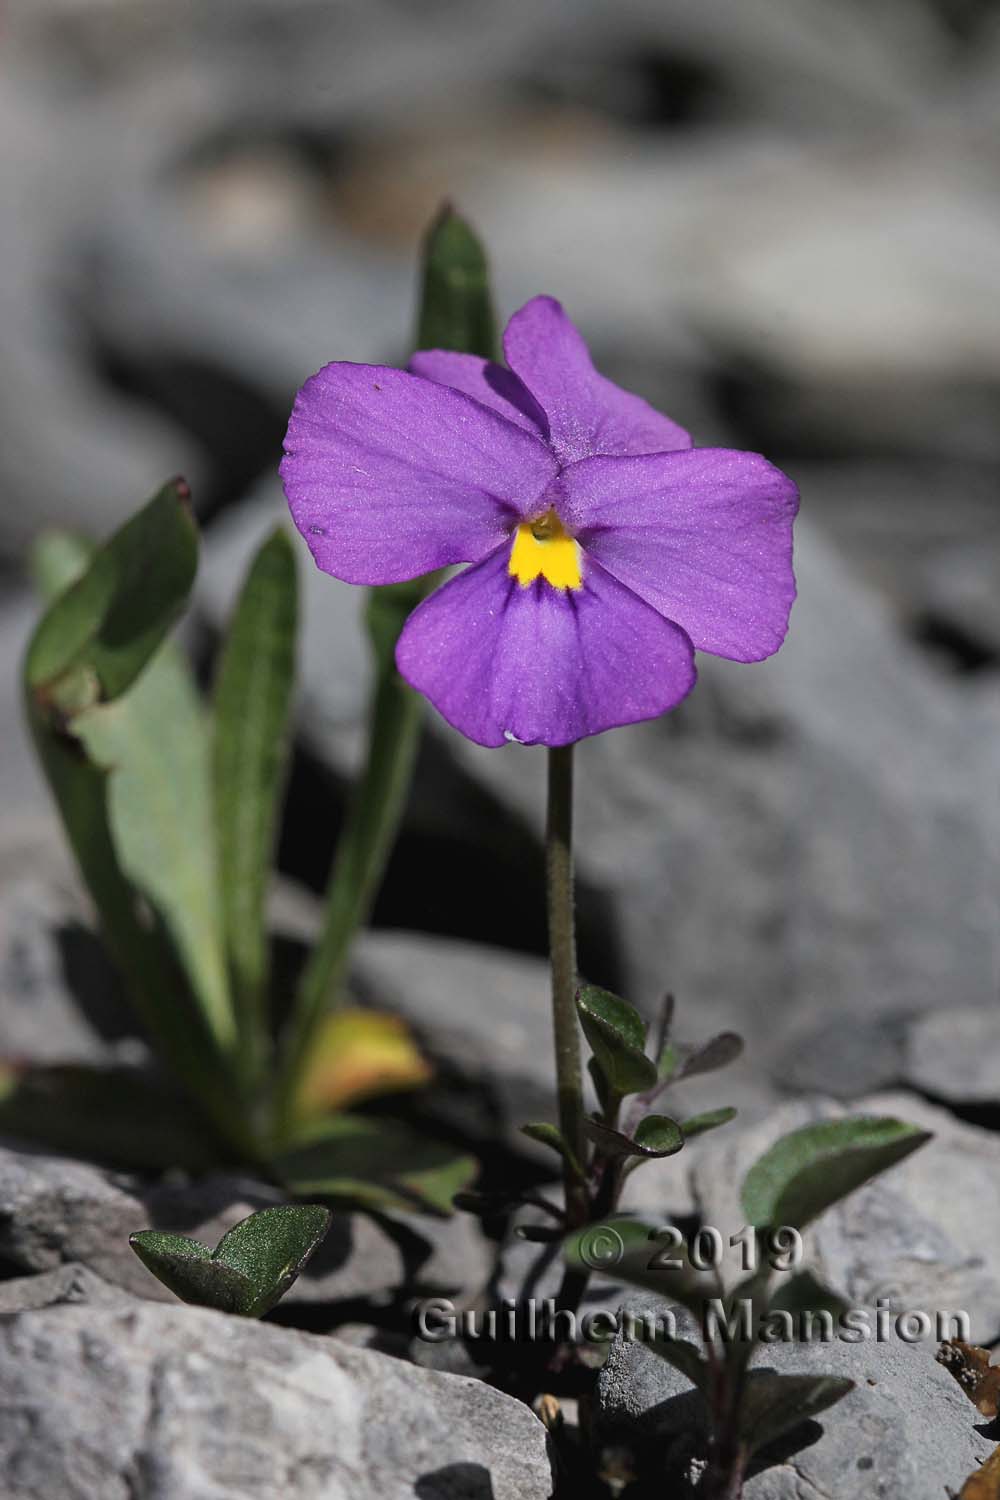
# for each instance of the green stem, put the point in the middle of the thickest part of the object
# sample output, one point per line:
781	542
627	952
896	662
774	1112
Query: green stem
562	949
363	849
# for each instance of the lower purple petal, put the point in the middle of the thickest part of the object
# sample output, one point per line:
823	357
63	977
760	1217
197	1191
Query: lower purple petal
538	665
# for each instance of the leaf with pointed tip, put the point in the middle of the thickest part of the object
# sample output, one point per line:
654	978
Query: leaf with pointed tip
806	1171
551	1135
253	695
189	1270
137	580
375	1163
105	627
710	1120
617	1036
774	1404
653	1137
271	1247
456	308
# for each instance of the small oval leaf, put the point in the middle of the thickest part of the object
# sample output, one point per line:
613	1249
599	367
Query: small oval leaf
617	1036
710	1120
271	1247
188	1269
808	1170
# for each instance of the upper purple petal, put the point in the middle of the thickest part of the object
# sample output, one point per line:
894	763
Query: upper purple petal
543	666
487	382
705	536
587	414
389	476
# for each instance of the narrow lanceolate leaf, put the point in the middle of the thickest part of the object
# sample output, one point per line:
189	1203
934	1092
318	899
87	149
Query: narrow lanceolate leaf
617	1037
153	744
456	309
112	608
810	1169
100	633
253	696
775	1404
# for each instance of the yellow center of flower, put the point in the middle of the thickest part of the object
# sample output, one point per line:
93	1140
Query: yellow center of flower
543	548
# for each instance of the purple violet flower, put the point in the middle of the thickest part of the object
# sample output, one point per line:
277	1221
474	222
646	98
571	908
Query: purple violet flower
604	549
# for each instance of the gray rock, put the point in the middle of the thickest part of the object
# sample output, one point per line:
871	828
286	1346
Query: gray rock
136	1396
954	1054
60	999
920	1234
906	1428
69	1283
54	1210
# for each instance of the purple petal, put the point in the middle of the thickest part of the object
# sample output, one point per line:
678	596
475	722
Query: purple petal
540	665
586	413
388	476
485	381
704	536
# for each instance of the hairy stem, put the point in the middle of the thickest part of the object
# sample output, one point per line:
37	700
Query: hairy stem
562	950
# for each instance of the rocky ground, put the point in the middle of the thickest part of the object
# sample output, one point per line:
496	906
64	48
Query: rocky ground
777	222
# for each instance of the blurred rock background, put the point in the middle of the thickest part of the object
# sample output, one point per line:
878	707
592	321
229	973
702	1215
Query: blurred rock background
778	221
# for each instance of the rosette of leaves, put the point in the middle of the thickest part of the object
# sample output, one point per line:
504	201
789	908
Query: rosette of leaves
171	807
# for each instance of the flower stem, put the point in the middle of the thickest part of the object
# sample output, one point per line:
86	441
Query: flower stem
562	949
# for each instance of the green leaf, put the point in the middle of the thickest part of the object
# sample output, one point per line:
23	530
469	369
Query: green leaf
375	1163
188	1269
153	743
456	308
250	1269
271	1247
710	1120
810	1169
253	695
551	1135
106	626
56	559
617	1037
655	1136
127	1117
98	635
774	1404
707	1057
